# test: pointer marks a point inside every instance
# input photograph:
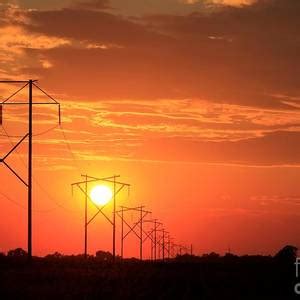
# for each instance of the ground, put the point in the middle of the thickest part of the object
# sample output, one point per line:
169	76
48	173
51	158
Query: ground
219	278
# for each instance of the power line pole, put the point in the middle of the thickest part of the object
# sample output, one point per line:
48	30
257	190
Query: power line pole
155	238
114	221
30	83
122	232
169	246
30	173
163	245
85	217
152	246
133	228
141	233
155	229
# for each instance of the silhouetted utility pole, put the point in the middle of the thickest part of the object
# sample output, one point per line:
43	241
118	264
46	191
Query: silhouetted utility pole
30	84
173	249
132	228
155	238
122	232
163	245
152	246
30	173
117	187
183	248
85	217
152	235
156	226
141	233
114	220
161	242
169	246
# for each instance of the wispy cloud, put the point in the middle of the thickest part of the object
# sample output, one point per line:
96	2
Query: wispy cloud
137	85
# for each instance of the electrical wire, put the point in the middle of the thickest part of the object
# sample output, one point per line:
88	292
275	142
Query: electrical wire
24	207
68	145
36	134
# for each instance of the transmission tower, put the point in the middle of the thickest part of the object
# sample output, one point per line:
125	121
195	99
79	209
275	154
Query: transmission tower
30	84
152	235
117	187
132	228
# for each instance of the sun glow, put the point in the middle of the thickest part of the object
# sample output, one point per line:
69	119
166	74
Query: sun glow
101	195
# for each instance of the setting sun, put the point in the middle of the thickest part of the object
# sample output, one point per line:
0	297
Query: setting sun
101	194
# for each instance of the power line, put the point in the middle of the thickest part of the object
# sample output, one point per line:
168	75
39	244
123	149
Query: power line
52	199
68	145
36	134
24	207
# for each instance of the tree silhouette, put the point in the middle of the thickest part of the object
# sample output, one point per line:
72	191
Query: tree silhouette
18	252
103	255
287	254
55	255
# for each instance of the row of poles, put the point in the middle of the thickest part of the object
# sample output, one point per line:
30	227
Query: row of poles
162	245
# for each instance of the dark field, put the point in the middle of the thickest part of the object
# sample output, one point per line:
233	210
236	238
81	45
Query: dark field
184	278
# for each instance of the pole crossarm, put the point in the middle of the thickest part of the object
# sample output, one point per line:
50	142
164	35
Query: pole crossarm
31	83
103	178
25	103
17	81
124	208
20	89
107	179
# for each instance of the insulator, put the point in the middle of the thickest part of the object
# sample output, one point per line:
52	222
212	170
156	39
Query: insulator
1	112
59	115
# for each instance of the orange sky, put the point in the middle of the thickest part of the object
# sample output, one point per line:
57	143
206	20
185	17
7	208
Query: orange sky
195	103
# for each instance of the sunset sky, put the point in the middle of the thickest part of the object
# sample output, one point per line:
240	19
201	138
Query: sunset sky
195	103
